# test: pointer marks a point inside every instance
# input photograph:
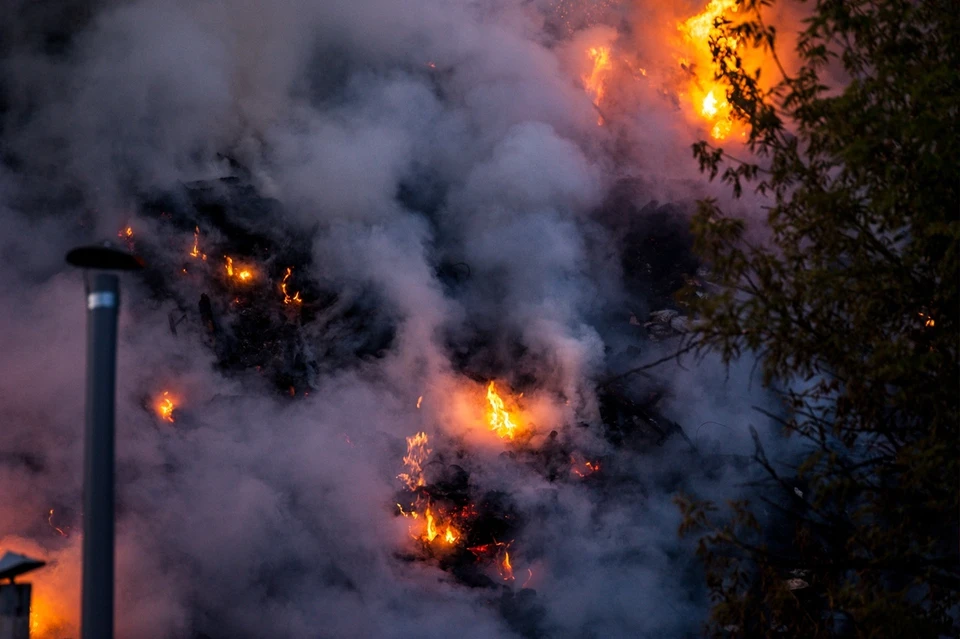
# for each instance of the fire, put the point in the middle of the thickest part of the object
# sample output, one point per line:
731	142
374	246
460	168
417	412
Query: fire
928	321
45	623
708	95
417	453
54	526
125	233
195	252
585	469
287	299
165	407
595	81
244	275
506	569
500	420
419	401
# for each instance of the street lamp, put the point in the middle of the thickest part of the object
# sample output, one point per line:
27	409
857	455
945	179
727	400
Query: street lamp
103	301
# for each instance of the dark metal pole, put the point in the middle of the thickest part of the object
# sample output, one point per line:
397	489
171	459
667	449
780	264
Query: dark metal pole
103	300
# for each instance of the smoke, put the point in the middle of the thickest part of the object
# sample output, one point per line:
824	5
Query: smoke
402	143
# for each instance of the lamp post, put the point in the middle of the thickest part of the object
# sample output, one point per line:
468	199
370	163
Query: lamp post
103	302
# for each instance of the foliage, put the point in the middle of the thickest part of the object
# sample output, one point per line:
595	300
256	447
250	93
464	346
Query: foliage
851	303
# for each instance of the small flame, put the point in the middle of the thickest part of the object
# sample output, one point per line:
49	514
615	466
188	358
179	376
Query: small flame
928	321
54	526
506	569
419	401
417	453
500	421
196	242
585	468
244	275
287	299
165	407
125	233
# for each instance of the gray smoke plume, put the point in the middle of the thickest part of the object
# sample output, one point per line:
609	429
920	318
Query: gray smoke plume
398	139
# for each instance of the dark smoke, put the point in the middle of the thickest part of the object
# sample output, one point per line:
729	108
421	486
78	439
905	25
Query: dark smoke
435	173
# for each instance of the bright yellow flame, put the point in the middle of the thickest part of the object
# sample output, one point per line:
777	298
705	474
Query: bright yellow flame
165	407
451	536
244	275
500	421
706	93
431	528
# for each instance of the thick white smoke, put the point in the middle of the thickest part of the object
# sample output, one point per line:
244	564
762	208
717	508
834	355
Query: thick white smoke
253	516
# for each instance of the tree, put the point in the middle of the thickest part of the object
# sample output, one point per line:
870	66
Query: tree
851	306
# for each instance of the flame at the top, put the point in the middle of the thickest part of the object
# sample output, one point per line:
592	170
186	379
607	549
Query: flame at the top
500	420
708	95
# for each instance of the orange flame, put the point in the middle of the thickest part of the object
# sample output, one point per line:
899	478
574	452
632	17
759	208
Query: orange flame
244	275
125	233
165	407
417	453
45	623
595	81
500	421
283	288
708	95
506	569
195	252
419	401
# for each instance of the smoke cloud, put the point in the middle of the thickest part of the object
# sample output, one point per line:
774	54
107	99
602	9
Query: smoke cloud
438	166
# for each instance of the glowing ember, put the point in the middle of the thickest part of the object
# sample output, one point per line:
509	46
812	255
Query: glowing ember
529	578
287	299
928	321
52	525
584	469
165	407
500	421
417	453
125	233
